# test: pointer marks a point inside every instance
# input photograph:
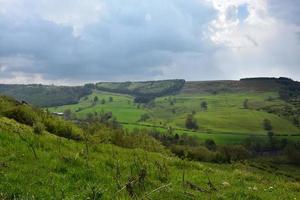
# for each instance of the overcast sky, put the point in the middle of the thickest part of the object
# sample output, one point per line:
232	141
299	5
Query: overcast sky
76	41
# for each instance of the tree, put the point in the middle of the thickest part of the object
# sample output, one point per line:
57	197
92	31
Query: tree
245	104
292	152
271	139
89	116
174	111
67	113
296	121
203	105
210	144
191	122
103	101
144	117
96	99
270	134
267	125
110	99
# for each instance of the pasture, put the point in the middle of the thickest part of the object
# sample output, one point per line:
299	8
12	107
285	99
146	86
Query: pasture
226	120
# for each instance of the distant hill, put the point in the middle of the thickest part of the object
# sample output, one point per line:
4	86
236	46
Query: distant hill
45	95
248	84
144	92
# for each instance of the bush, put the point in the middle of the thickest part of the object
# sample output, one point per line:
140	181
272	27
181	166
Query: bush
22	114
199	153
267	125
203	105
178	150
191	122
137	139
62	128
210	144
38	128
292	151
233	153
144	117
254	144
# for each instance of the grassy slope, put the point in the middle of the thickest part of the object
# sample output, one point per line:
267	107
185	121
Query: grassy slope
122	106
61	172
225	121
45	95
225	113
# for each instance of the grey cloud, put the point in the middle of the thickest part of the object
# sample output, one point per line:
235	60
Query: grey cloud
288	10
136	39
122	43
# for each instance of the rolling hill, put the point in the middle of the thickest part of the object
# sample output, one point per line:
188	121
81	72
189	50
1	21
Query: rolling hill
43	164
235	109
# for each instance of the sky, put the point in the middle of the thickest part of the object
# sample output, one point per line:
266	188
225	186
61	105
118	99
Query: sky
75	41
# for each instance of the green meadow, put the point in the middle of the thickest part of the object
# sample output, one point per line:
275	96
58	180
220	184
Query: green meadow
121	106
225	120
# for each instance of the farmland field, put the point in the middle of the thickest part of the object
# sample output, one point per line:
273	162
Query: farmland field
225	119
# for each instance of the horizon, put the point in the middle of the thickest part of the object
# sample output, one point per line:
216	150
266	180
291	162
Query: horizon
77	42
136	81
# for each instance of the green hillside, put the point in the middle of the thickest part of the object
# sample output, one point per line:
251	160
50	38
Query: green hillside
225	120
43	156
156	88
62	170
45	95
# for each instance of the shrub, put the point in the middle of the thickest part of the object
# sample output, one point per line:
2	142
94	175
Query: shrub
245	104
233	153
267	125
191	122
23	114
203	105
62	128
210	144
137	139
144	117
38	128
292	151
254	144
199	153
178	150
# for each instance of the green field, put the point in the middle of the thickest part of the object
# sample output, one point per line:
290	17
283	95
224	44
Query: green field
122	107
225	120
63	171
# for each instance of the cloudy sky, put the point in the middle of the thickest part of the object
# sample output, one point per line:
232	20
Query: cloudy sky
76	41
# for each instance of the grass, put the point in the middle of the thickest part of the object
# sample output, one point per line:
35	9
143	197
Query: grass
122	106
63	171
225	120
225	113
